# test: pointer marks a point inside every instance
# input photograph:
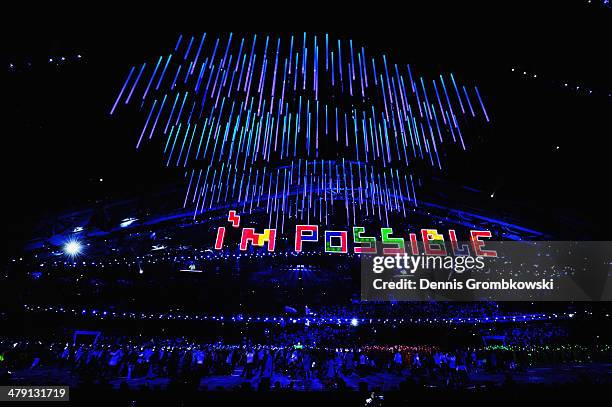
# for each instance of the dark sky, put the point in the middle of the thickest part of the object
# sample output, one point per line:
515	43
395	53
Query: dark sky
58	139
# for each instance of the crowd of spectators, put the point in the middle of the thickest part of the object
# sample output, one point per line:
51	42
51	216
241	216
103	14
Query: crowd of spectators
125	358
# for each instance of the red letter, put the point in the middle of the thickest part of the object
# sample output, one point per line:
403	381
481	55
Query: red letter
220	238
478	244
312	235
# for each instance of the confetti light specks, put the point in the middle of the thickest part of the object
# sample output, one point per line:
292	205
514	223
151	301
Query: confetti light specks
275	125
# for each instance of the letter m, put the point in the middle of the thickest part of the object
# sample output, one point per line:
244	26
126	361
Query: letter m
258	239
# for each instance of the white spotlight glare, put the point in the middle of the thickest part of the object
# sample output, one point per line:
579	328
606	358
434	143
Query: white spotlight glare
354	322
72	248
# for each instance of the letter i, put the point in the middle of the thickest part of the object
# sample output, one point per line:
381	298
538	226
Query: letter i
414	245
220	238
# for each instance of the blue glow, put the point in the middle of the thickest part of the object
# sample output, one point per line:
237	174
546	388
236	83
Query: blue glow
493	318
127	222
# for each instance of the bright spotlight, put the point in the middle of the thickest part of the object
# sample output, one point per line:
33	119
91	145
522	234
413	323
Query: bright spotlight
354	322
72	248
